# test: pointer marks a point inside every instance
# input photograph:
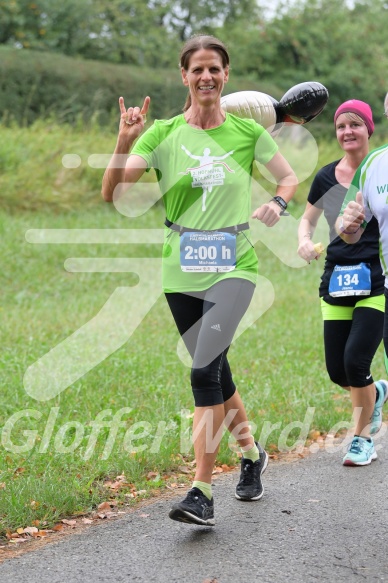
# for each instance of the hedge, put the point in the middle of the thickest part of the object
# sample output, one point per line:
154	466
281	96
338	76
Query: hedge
36	84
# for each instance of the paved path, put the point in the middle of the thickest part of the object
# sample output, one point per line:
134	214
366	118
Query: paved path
318	521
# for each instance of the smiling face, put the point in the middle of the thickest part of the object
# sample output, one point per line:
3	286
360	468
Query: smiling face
352	133
205	77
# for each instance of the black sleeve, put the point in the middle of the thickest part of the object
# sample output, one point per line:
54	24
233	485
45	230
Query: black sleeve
316	191
322	184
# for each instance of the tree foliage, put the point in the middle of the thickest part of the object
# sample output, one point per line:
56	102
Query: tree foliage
124	31
338	43
326	40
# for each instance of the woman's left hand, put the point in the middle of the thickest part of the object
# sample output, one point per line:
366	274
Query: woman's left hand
268	213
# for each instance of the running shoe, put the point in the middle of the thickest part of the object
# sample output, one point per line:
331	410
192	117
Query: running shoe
361	451
196	508
377	415
250	486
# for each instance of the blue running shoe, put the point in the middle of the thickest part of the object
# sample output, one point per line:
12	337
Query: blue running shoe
377	415
360	452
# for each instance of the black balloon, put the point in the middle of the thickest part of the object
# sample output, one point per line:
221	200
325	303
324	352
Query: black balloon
303	102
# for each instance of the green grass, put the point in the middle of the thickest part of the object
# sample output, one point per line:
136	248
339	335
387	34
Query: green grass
278	366
54	457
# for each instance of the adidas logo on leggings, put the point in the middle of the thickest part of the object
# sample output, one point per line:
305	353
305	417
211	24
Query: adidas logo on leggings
216	327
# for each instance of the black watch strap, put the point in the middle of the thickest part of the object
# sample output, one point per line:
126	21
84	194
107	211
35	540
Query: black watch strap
282	203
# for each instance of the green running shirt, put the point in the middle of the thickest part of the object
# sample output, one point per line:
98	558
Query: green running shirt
205	181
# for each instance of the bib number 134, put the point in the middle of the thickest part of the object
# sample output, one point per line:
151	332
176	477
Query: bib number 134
350	280
347	279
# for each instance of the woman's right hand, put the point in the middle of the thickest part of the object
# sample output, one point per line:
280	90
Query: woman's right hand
306	250
132	120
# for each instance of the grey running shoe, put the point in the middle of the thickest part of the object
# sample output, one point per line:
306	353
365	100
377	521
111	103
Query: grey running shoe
196	508
250	486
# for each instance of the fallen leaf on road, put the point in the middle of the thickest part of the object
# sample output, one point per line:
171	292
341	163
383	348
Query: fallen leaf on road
69	522
29	530
40	534
118	482
107	506
153	476
185	470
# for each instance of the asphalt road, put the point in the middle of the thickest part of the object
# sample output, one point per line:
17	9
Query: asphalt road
317	521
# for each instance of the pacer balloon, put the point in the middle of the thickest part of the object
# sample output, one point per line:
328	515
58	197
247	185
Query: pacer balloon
300	104
303	102
252	104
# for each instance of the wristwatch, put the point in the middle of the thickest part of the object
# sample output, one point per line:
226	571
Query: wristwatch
282	203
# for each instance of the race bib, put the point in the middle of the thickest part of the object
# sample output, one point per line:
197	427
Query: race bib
207	251
350	280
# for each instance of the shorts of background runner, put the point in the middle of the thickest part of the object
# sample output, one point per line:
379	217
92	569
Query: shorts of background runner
351	339
330	312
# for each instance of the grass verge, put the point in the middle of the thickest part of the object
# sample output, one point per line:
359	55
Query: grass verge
129	415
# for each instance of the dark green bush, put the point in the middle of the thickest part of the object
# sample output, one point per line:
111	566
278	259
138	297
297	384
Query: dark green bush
36	84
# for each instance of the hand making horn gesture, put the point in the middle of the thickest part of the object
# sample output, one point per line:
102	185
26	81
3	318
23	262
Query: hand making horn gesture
133	119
